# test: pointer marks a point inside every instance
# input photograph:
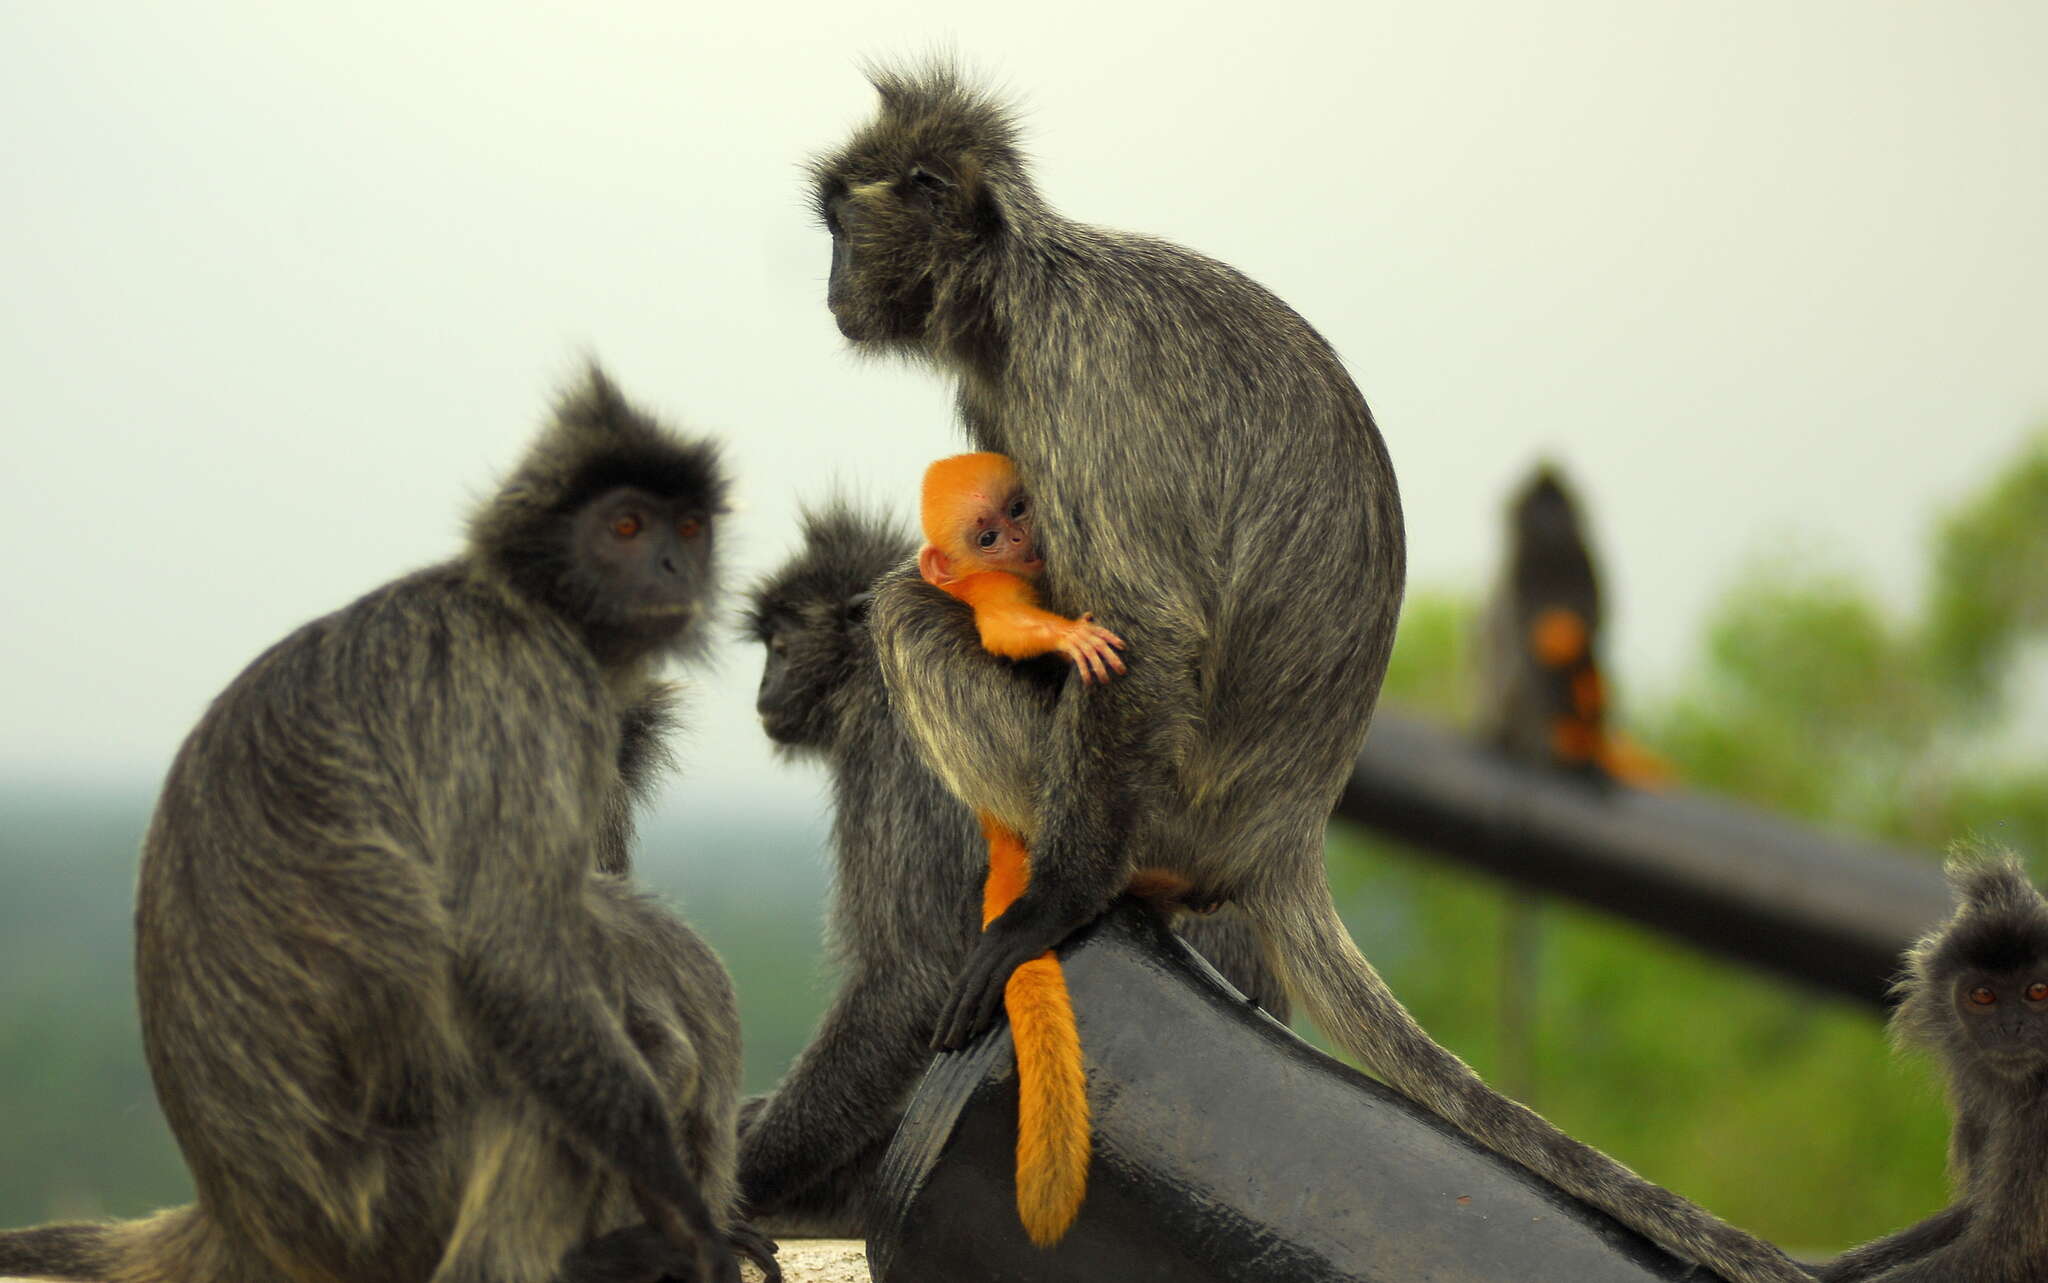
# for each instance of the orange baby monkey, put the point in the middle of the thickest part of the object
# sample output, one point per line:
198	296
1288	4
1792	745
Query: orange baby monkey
979	547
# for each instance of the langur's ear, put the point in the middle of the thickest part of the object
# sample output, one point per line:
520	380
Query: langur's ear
935	566
979	197
927	183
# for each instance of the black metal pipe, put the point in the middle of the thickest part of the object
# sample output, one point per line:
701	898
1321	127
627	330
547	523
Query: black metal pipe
1226	1151
1828	911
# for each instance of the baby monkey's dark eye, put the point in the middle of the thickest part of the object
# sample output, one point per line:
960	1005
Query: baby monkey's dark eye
2038	991
1982	996
987	539
1017	510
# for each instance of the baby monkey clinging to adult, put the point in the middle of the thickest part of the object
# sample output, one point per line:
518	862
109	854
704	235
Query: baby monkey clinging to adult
1201	464
980	547
1975	994
908	877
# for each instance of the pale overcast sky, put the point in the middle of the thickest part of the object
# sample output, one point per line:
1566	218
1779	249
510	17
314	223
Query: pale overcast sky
288	285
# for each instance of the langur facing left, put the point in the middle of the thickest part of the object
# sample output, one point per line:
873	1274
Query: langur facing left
1203	472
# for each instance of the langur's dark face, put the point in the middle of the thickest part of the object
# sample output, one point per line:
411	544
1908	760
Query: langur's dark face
808	651
840	286
895	221
1546	519
881	285
2004	1018
644	565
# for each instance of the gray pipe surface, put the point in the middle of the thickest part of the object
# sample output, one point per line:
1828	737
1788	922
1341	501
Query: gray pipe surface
1227	1150
1831	912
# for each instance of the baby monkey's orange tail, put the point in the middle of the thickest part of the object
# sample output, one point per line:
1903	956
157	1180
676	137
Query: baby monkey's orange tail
1053	1141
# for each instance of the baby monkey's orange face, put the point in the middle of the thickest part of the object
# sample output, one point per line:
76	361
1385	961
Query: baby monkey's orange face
995	533
977	517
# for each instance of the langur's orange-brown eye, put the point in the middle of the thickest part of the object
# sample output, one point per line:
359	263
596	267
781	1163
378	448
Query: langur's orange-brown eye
1982	996
2038	991
689	527
625	525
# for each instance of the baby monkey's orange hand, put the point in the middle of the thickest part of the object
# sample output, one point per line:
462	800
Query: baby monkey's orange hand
1093	649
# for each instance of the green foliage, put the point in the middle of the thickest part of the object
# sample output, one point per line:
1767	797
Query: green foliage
79	1129
1778	1108
1812	702
1991	579
80	1132
1434	655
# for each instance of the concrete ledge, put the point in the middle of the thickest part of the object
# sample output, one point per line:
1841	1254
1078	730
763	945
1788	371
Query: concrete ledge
1829	911
804	1260
817	1260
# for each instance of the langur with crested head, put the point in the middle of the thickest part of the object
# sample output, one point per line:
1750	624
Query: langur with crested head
1545	685
1975	997
1543	702
1204	475
408	1017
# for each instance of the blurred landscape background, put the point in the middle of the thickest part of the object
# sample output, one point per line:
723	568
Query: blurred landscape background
289	285
1779	1108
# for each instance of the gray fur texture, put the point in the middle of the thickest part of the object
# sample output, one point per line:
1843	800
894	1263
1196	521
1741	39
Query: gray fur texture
402	1023
1210	483
909	862
1995	1056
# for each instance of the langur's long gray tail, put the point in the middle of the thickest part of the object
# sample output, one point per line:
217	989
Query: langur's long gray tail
177	1245
1346	998
81	1250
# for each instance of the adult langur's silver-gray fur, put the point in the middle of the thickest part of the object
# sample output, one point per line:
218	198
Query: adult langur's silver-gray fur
1209	482
1975	997
408	1016
909	863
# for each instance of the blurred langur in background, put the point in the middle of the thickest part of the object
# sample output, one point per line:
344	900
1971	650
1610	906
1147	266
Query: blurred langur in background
1544	689
1543	700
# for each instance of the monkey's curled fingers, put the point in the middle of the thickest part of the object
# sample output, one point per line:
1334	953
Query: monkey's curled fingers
756	1247
1093	649
637	1254
978	995
688	1230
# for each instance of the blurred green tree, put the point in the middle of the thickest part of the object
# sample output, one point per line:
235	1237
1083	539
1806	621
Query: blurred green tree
1781	1109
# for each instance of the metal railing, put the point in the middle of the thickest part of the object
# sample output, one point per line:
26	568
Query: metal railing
1830	911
